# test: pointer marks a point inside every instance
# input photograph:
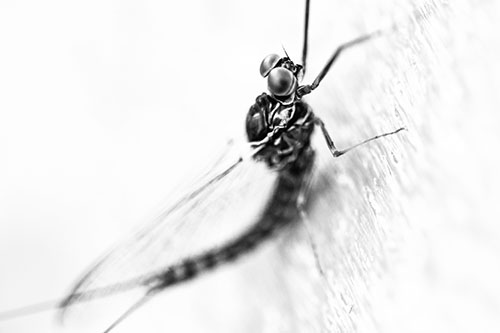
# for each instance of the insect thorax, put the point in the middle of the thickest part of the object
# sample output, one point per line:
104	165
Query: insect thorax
292	123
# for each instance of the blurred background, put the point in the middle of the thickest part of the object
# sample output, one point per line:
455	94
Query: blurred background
105	106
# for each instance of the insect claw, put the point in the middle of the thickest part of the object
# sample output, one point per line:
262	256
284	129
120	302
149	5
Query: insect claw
337	153
303	90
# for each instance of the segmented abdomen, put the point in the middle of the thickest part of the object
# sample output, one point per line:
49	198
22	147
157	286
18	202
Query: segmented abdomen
281	210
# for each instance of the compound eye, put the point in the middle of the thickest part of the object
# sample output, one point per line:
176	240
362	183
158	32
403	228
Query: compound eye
268	64
281	82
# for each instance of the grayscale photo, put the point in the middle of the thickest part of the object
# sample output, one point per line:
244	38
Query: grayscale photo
250	166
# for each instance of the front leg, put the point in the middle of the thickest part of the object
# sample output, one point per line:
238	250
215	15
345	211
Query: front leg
308	88
336	152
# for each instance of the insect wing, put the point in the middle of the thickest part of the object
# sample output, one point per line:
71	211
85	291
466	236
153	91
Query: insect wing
227	201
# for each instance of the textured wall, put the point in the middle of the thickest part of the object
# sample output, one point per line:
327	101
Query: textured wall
413	240
105	105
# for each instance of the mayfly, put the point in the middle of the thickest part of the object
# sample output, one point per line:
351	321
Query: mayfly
279	127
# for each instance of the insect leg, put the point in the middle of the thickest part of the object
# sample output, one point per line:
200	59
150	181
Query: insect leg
306	36
336	152
312	243
304	90
301	201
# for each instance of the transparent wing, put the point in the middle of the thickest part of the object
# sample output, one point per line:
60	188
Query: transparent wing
225	202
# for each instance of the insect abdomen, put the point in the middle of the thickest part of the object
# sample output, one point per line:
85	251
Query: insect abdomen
281	210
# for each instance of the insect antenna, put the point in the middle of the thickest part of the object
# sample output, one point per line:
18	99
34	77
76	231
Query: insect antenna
30	309
73	299
284	50
146	297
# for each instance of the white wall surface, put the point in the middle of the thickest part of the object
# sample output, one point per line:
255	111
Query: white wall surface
107	105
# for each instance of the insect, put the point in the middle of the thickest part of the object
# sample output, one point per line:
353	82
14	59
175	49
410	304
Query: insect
279	127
